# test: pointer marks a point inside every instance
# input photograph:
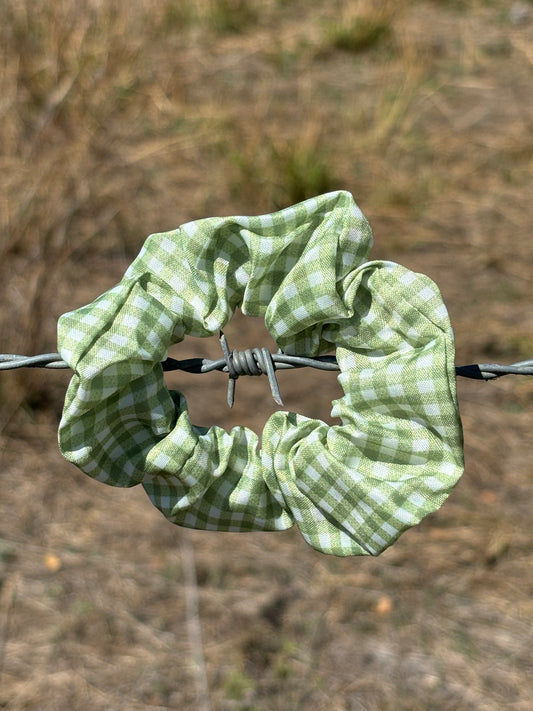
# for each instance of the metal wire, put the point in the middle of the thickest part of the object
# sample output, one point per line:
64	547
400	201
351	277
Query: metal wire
260	361
9	361
489	371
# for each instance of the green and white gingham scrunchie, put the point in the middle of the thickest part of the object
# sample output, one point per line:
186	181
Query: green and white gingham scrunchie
352	488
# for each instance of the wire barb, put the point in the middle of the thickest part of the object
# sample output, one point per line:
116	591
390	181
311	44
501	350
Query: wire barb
252	361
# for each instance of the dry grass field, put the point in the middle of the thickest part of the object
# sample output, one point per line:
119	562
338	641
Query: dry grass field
118	119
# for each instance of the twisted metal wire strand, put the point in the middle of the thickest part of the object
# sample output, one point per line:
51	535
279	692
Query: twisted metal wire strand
260	361
10	361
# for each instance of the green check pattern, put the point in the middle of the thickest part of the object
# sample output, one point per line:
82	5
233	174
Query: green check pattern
352	488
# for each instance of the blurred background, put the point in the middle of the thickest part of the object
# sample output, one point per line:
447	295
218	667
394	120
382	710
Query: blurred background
122	119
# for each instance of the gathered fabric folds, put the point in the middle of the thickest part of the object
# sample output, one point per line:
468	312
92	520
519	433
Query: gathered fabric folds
351	488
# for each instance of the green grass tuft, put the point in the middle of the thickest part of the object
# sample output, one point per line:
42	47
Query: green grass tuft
360	34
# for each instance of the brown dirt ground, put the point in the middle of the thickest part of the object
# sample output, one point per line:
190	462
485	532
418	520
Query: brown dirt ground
123	119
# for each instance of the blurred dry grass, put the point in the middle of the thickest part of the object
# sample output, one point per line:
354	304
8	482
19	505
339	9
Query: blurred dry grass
121	119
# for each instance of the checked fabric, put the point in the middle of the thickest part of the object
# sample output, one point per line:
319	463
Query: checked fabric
351	488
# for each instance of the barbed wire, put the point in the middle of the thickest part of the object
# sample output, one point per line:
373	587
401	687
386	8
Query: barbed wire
10	361
260	361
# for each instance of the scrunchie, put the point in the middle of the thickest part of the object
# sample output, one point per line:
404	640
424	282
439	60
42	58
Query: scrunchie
351	488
